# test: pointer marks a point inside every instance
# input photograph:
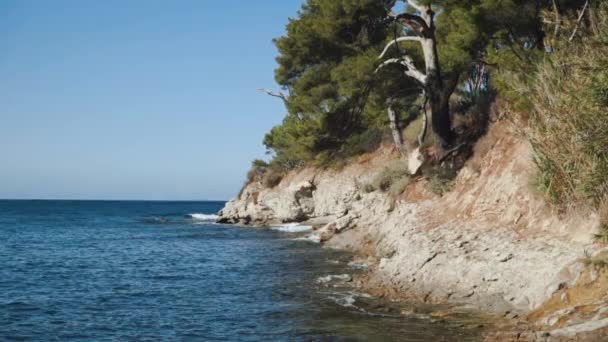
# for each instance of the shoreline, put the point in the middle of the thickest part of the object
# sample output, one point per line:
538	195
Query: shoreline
494	322
490	243
383	301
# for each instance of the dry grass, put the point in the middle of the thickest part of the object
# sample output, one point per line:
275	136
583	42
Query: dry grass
399	185
440	180
257	170
568	127
411	132
260	171
603	213
600	260
392	179
273	177
487	143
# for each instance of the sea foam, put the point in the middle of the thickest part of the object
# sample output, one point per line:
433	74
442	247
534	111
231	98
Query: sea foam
292	228
203	217
313	237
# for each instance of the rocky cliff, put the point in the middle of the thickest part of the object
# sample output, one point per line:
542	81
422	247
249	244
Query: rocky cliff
491	242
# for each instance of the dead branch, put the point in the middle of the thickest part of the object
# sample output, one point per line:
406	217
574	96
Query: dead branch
578	22
395	41
450	152
274	94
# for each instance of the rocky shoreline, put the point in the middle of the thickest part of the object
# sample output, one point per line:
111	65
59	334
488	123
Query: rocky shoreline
490	244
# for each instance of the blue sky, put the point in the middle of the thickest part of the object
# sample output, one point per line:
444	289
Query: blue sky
137	99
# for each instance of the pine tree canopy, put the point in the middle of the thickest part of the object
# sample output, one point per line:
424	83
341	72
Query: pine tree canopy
336	101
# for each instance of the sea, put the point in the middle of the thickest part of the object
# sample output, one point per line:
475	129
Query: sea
165	271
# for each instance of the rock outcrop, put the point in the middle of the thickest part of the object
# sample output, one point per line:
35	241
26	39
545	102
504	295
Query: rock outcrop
490	243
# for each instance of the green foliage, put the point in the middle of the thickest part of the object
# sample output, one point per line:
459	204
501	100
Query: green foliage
337	102
259	163
365	142
459	36
394	178
293	141
521	43
329	53
399	185
336	105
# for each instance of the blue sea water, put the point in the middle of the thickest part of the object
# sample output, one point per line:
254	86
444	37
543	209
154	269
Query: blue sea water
120	271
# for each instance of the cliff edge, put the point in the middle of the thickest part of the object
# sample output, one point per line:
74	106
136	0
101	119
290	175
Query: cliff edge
490	243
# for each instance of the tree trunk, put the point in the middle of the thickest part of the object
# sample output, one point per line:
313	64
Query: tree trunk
441	121
397	138
439	96
422	25
422	134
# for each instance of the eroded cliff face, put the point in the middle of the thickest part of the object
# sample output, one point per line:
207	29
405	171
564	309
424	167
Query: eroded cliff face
490	243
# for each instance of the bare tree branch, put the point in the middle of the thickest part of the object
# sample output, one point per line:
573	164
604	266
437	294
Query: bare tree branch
412	71
415	5
394	126
578	22
274	94
557	21
448	153
395	41
387	62
407	62
414	22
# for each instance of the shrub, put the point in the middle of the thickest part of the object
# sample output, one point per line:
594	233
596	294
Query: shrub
411	132
394	178
269	174
440	180
330	159
367	188
273	177
257	170
399	186
259	163
366	142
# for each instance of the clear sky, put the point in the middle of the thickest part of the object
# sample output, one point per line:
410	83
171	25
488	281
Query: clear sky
137	99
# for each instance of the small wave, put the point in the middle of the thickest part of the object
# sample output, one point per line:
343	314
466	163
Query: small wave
314	237
346	300
155	220
357	301
203	217
334	277
292	228
358	265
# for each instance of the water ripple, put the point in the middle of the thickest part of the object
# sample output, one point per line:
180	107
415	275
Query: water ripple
148	271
